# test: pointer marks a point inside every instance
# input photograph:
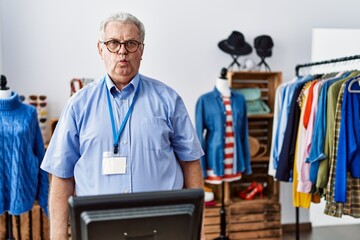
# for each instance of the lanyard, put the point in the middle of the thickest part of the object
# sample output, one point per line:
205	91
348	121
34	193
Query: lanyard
117	136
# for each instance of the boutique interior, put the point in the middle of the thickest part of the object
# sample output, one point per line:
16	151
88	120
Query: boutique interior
290	131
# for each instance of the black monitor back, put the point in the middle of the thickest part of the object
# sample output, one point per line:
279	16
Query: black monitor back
169	209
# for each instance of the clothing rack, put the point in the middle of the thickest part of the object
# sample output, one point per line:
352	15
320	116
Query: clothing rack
331	61
297	70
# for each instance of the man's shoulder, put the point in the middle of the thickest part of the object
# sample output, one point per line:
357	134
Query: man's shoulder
156	84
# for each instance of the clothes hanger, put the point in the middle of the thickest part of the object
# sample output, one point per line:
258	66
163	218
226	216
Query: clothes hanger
357	79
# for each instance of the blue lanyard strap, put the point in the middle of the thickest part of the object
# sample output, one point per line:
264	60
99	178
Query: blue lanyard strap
117	136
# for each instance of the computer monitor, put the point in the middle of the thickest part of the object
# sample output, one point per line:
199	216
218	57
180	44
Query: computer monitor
160	215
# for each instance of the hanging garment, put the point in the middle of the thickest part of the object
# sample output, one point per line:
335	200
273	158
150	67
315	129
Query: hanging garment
287	151
304	183
210	118
317	142
332	99
278	108
288	113
300	199
311	124
333	208
349	140
21	151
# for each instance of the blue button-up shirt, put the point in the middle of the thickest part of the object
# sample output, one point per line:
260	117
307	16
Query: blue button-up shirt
158	133
210	127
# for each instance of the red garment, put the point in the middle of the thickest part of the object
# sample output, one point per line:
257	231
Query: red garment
308	105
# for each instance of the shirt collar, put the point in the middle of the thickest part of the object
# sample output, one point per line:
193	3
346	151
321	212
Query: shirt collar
129	88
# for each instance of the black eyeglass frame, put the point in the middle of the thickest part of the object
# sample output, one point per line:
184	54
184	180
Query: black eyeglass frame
106	43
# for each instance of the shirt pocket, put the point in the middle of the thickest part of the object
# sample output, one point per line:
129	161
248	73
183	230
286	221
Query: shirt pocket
154	134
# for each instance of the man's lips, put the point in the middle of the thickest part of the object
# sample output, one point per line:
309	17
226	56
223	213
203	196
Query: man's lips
123	62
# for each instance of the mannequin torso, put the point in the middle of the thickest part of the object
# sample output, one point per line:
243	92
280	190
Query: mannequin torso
223	86
4	94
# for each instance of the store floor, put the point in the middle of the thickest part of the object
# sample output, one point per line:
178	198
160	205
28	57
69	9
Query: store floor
342	232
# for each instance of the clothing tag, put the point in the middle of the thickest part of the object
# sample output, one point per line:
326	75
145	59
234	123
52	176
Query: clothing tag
113	164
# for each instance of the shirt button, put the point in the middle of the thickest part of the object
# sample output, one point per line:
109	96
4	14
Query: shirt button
124	142
125	190
124	101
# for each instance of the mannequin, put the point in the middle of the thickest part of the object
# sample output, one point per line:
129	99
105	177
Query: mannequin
21	151
222	128
5	92
222	83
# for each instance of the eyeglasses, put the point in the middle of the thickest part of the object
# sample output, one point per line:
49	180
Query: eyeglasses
35	97
114	46
35	104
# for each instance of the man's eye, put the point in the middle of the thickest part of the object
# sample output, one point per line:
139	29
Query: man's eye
131	43
113	42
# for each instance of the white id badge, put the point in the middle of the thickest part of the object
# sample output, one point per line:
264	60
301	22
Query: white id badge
113	164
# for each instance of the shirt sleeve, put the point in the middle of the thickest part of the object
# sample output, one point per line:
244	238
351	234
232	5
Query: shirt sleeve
184	139
63	151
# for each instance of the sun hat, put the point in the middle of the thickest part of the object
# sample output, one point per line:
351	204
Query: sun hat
235	44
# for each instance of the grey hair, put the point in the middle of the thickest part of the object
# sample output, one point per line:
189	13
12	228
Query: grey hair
122	17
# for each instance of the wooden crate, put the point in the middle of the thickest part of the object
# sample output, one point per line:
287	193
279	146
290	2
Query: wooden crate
260	126
266	81
30	225
255	219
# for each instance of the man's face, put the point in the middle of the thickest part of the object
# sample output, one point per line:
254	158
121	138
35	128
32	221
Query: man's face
121	66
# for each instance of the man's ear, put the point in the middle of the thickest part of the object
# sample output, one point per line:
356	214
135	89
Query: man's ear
100	50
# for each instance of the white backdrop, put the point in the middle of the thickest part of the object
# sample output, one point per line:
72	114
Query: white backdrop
47	43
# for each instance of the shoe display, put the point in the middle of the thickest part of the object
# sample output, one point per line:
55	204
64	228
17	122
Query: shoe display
258	189
242	194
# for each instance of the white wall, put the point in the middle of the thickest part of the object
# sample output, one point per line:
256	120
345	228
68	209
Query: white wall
330	43
46	43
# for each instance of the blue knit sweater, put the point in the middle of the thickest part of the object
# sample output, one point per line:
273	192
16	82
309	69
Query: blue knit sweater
21	151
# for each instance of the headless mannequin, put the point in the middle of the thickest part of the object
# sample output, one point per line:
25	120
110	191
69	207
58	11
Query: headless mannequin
222	83
5	92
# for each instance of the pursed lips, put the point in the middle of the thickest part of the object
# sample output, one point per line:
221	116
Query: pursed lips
123	61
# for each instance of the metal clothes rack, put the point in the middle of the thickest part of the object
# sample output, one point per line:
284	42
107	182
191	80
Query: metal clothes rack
307	65
331	61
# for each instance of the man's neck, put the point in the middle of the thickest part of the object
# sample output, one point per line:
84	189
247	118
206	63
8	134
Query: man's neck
223	86
121	83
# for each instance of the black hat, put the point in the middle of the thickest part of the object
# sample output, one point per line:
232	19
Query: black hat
235	44
263	45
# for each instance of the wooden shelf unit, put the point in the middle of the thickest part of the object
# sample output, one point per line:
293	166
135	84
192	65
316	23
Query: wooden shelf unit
259	218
